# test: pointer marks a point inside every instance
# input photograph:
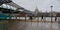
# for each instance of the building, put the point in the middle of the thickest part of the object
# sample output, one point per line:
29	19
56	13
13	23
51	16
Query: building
36	11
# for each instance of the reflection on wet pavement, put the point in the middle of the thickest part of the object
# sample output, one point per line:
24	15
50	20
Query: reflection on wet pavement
33	26
42	26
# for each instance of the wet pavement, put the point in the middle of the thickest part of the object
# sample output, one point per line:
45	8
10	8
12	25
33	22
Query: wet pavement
31	26
41	26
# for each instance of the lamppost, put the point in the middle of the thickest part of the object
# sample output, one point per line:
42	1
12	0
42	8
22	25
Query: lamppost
51	12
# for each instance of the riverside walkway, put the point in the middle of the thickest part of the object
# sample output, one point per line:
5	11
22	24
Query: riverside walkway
28	25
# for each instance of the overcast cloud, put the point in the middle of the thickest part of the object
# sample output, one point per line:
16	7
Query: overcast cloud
42	5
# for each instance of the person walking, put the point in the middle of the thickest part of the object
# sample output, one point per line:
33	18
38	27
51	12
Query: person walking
55	18
42	17
30	17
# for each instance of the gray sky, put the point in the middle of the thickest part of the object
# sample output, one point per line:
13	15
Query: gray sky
42	5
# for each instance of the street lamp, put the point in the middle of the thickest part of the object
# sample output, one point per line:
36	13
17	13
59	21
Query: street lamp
51	12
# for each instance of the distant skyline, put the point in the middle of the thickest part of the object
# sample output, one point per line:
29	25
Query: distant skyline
42	5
